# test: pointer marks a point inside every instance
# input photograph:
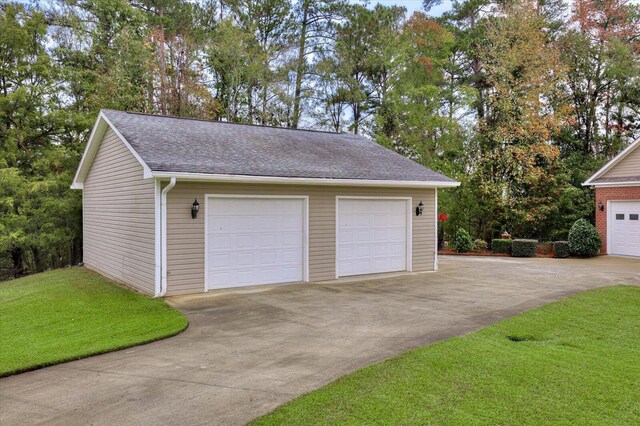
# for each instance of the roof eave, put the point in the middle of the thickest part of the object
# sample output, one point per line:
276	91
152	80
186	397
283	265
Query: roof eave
611	184
99	128
615	160
225	178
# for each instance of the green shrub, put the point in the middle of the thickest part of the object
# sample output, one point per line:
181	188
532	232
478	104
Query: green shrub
499	245
524	248
479	245
561	249
584	240
462	241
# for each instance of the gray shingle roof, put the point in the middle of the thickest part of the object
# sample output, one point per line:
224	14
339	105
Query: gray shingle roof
170	144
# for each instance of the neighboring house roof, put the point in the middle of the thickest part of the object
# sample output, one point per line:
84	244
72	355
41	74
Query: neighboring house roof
178	147
601	178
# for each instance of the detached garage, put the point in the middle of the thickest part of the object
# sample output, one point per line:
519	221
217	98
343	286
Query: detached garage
176	206
617	187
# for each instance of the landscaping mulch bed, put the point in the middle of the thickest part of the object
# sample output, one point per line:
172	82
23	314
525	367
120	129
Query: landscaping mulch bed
484	253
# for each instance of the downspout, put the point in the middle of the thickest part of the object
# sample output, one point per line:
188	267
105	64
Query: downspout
163	232
435	255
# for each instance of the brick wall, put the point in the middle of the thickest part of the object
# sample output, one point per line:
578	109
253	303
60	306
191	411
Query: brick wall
613	193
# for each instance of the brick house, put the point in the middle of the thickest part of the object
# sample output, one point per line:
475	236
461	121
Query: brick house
617	187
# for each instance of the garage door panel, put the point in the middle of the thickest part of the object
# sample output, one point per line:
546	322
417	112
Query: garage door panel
219	243
372	236
396	250
362	235
288	257
246	277
219	261
346	251
624	228
266	259
289	222
253	241
266	241
397	235
379	250
346	237
289	239
381	234
379	220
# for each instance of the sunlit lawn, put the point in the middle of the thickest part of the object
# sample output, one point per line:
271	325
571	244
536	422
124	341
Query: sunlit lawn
72	313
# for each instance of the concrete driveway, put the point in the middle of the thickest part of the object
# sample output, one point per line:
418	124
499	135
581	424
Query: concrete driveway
246	353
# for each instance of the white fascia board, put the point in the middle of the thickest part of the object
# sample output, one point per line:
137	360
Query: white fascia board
615	160
97	132
91	149
301	181
612	184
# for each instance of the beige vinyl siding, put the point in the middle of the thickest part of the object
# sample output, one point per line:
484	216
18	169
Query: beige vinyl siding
119	217
629	166
185	236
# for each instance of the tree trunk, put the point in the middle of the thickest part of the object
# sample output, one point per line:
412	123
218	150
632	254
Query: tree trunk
301	67
477	82
17	257
607	127
163	65
37	259
263	115
250	104
356	118
476	66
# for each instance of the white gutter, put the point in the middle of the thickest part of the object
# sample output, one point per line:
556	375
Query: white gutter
611	184
163	219
303	181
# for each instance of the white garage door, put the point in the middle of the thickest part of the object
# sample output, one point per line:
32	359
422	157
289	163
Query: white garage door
624	228
372	236
253	241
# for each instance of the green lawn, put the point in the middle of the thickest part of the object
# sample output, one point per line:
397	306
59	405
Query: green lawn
574	361
72	313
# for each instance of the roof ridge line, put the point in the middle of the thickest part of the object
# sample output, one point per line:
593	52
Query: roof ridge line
234	123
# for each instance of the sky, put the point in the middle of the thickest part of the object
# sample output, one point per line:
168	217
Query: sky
413	5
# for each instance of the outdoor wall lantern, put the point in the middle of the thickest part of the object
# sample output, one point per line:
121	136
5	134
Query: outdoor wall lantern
600	206
419	209
194	209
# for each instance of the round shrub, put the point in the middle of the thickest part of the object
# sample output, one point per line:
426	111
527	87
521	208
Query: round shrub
584	240
479	245
462	241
